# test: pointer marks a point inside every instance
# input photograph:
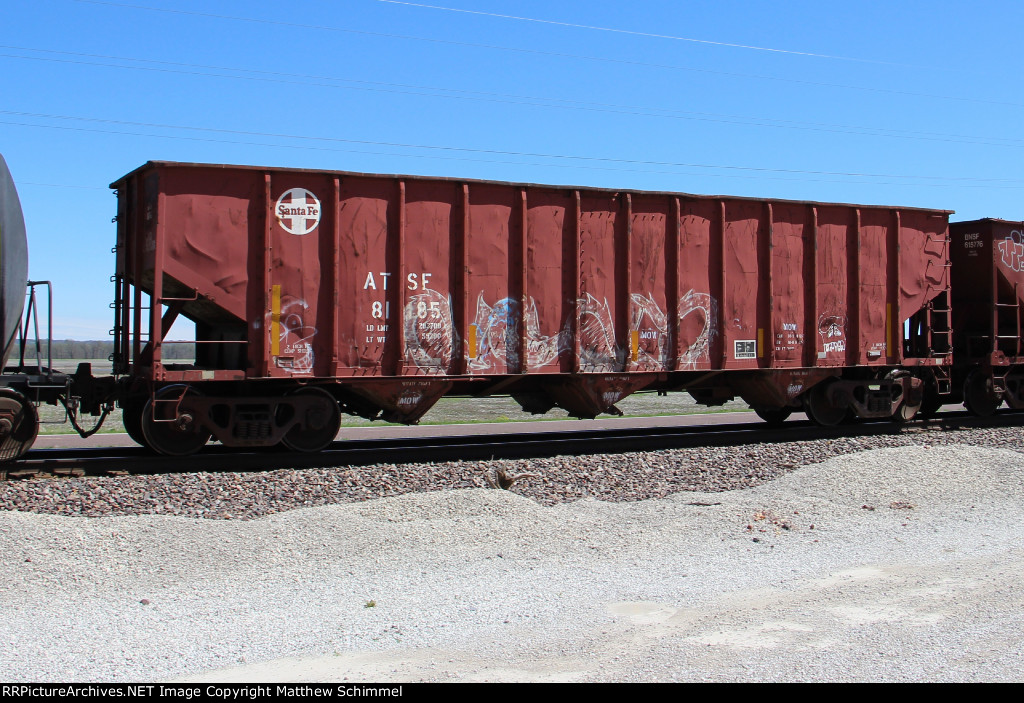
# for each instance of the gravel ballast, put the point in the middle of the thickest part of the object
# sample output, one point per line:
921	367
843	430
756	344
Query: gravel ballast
895	558
630	476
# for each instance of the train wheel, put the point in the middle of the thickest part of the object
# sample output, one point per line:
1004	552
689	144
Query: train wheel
979	394
774	416
131	418
819	407
168	430
320	425
931	400
906	410
1015	390
19	424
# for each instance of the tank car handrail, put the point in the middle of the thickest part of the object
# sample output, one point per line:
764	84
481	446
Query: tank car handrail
32	315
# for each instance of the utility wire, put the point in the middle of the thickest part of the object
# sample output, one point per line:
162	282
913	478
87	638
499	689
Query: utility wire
435	157
561	55
180	68
452	149
58	185
634	33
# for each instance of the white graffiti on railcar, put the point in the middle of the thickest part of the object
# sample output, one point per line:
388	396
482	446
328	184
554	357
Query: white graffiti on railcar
498	336
832	330
598	350
430	337
1012	250
497	329
699	350
296	338
641	308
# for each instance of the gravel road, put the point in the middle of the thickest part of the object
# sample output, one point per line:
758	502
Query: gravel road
891	563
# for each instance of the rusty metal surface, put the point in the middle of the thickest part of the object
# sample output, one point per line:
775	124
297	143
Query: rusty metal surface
988	291
355	277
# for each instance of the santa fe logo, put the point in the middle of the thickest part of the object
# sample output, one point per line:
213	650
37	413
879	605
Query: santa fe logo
298	211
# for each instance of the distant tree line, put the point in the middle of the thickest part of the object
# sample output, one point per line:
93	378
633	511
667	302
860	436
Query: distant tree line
75	349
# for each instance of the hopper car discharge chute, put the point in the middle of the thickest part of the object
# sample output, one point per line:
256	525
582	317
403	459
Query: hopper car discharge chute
316	293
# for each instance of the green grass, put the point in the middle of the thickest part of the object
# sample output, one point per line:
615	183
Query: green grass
447	411
457	411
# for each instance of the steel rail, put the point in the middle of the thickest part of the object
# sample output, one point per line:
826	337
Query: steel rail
480	447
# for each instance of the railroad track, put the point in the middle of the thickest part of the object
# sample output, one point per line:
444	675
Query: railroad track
520	445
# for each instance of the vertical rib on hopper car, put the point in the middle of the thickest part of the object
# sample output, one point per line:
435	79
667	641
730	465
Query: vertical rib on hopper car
384	293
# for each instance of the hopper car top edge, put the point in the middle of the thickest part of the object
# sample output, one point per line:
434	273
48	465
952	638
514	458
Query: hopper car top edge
519	184
192	235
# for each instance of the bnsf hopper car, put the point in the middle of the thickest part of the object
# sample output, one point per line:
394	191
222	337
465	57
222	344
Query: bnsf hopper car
316	293
988	287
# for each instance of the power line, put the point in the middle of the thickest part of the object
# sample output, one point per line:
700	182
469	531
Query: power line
704	174
563	158
557	54
333	82
650	35
58	185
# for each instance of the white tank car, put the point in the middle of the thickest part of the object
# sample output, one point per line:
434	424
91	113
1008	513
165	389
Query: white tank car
13	261
19	422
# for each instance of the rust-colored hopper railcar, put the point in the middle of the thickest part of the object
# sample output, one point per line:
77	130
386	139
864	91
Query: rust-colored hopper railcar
988	313
380	294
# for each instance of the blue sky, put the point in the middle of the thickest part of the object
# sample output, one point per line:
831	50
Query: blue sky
901	103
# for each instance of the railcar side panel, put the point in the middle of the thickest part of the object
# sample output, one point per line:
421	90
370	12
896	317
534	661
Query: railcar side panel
299	281
650	246
923	261
548	310
832	326
394	288
600	307
208	226
742	325
790	266
699	343
367	303
427	228
872	276
491	305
